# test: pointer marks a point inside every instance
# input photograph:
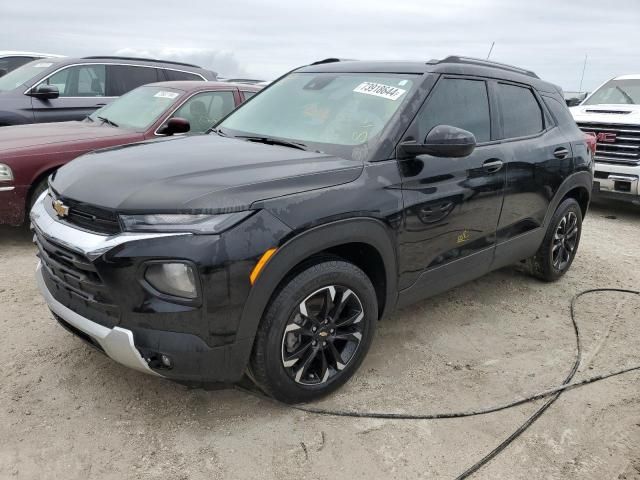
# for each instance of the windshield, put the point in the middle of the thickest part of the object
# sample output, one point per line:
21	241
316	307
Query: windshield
333	112
616	92
23	74
138	109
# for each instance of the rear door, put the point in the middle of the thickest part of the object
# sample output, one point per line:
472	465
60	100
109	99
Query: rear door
538	158
82	90
124	78
451	205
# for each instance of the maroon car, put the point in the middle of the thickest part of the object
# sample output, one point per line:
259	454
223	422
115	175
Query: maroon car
30	153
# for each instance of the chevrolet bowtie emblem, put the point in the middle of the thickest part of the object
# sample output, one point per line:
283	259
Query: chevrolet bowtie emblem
61	209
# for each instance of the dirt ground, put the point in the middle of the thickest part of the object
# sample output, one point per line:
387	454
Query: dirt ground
67	412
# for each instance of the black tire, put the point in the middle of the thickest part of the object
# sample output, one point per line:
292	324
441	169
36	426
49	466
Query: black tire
40	187
284	331
555	256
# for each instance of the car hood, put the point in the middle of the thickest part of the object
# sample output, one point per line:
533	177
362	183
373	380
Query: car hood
200	172
629	114
27	137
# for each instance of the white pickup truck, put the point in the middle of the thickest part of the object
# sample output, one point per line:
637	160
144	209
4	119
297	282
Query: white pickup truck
612	113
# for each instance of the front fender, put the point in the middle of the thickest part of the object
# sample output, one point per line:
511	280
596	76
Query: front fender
359	230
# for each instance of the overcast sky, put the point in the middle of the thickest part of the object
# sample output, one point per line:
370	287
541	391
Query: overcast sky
266	39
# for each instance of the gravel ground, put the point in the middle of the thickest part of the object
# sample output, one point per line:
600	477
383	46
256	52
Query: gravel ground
68	412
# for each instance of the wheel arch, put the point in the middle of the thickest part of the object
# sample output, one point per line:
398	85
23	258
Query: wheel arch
577	186
366	242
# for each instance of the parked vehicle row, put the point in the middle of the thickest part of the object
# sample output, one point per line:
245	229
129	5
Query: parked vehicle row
274	244
63	89
612	114
30	153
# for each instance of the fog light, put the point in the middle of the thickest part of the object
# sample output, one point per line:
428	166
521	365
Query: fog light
177	279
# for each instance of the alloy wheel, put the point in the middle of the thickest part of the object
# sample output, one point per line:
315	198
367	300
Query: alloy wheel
322	335
565	241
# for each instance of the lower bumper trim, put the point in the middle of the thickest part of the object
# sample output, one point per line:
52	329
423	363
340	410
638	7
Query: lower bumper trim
116	342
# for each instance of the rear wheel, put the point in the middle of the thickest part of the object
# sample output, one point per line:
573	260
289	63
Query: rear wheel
315	332
560	245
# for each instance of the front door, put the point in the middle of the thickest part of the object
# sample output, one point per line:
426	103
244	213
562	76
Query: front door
82	91
451	205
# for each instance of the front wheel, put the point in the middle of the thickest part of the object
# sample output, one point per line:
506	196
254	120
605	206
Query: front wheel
315	332
560	244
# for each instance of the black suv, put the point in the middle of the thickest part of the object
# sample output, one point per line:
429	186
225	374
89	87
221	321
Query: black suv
62	89
273	245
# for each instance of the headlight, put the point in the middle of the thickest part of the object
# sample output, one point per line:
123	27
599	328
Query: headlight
176	279
6	174
182	222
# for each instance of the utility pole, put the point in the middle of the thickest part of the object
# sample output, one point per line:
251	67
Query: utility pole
490	50
584	67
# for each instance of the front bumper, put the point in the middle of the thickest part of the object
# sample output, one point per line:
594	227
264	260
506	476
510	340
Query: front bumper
116	342
95	284
620	182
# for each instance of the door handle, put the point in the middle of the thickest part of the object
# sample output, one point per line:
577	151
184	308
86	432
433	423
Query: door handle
561	152
492	165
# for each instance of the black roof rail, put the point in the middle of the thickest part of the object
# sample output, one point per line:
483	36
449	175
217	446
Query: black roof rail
112	57
331	60
484	63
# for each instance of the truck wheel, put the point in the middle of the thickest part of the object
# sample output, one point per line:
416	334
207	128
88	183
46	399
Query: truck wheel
560	244
315	332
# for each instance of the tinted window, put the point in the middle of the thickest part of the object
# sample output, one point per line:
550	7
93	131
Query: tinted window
124	78
521	114
248	95
460	103
79	81
175	75
11	63
206	109
559	110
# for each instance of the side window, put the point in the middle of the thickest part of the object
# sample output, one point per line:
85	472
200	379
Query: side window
248	95
205	109
521	113
80	81
11	63
460	103
173	75
124	78
559	111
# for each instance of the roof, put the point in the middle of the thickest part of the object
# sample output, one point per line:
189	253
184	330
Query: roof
189	85
135	61
451	64
13	53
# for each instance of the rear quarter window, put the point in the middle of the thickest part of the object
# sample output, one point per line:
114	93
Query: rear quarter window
521	113
559	111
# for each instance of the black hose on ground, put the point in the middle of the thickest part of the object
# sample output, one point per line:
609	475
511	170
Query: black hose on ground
553	393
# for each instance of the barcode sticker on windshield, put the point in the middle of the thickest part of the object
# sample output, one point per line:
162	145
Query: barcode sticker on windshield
379	90
169	95
42	65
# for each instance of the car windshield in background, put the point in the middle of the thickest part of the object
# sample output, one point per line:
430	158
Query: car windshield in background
616	92
326	110
23	74
138	109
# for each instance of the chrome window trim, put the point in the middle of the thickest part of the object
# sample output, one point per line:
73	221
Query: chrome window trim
28	90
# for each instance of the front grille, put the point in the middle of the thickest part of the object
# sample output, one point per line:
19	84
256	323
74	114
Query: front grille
73	280
89	217
625	147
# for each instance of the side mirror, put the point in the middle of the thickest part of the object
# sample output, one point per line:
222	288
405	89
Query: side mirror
45	92
442	141
573	102
174	126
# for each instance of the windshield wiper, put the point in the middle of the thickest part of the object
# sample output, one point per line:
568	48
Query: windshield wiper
106	120
273	141
626	95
